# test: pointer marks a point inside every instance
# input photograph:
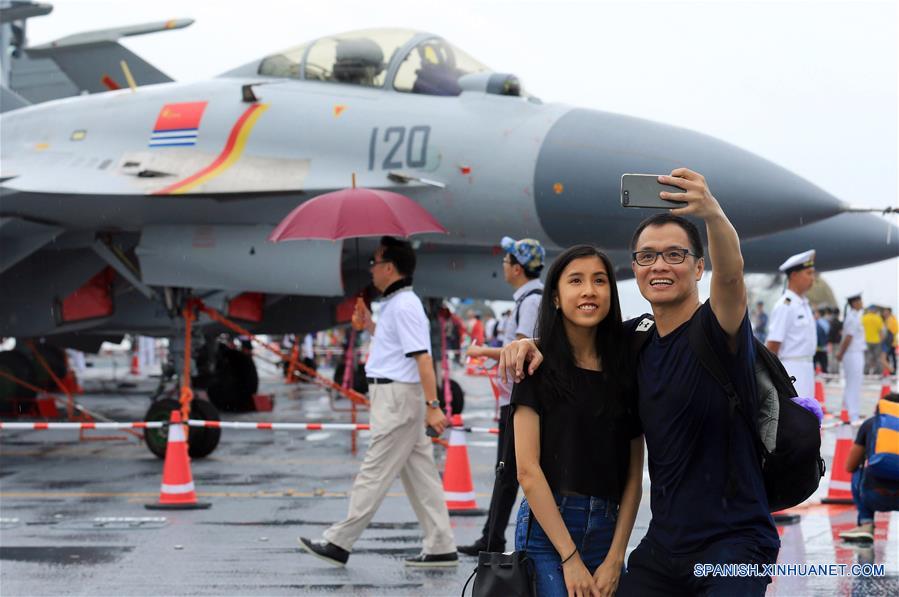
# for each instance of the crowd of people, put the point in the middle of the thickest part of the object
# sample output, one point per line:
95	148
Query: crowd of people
582	397
881	332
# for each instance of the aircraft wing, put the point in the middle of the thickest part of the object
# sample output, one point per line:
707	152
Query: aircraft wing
19	238
10	100
92	60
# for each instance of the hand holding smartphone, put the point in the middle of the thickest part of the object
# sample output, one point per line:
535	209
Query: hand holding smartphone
642	190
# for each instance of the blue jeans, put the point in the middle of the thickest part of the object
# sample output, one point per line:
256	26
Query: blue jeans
869	501
591	524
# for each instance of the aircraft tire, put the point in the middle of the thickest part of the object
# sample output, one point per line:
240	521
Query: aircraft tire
56	359
201	442
17	364
458	397
234	381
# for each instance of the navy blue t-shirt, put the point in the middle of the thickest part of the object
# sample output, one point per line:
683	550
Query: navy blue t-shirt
685	418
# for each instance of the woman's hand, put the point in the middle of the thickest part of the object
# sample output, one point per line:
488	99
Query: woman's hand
577	578
607	576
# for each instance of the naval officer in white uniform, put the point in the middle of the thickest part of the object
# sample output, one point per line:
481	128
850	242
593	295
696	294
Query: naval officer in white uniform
791	328
851	354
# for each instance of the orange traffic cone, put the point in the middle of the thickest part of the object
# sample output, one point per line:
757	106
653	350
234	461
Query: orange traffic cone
135	364
840	489
177	491
886	386
457	486
844	415
819	389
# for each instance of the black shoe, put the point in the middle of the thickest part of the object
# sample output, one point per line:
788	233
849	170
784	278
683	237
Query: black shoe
478	546
433	560
323	550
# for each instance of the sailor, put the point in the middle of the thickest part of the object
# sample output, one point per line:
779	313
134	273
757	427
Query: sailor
851	354
792	335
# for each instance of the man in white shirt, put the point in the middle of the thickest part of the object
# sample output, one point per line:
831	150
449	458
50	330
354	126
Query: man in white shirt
792	334
522	263
403	396
852	356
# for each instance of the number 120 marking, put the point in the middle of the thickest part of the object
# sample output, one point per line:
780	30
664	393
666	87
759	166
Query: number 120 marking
390	146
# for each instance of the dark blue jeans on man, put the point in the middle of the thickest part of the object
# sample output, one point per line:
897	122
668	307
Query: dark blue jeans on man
654	571
868	500
591	523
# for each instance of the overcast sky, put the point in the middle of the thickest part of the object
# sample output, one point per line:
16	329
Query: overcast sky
810	85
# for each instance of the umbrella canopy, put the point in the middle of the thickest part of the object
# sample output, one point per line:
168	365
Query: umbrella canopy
354	213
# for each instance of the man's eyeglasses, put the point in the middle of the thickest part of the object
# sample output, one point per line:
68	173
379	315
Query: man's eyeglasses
670	256
373	262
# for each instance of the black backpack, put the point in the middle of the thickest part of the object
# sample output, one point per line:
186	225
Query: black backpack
787	437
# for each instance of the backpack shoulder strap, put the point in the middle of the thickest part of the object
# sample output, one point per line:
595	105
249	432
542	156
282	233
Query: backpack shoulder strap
533	291
779	376
699	343
641	330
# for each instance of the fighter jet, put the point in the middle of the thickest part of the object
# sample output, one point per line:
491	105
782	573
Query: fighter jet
122	191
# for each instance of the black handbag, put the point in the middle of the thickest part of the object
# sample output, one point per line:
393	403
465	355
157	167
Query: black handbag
504	574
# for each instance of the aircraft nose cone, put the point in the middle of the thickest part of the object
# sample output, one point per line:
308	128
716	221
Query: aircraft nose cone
846	240
578	174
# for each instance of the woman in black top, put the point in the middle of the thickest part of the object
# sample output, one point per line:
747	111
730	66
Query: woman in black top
578	442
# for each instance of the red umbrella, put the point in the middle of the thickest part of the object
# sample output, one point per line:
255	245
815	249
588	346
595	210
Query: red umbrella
354	213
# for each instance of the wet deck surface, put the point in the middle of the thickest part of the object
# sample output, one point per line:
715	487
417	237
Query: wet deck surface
72	520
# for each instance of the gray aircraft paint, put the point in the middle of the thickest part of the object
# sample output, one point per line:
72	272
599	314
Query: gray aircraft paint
84	165
587	152
238	258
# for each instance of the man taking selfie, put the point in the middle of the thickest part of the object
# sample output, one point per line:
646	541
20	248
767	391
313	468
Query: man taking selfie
701	514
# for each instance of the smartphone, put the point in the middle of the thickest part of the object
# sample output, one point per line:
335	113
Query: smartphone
431	432
642	190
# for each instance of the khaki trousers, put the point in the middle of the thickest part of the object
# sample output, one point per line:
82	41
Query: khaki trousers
399	446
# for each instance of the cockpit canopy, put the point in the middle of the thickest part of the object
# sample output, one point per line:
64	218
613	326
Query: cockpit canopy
408	61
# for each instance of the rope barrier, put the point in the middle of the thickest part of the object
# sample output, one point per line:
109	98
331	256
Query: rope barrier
45	426
280	426
79	426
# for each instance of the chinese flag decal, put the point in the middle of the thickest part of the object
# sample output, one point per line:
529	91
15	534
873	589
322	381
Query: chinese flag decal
177	125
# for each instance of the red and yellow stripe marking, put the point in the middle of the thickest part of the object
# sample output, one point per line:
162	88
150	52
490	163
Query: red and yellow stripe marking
237	141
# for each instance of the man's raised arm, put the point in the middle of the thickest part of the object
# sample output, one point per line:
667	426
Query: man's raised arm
728	291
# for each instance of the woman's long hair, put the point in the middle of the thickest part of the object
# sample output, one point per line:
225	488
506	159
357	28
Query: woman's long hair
558	358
